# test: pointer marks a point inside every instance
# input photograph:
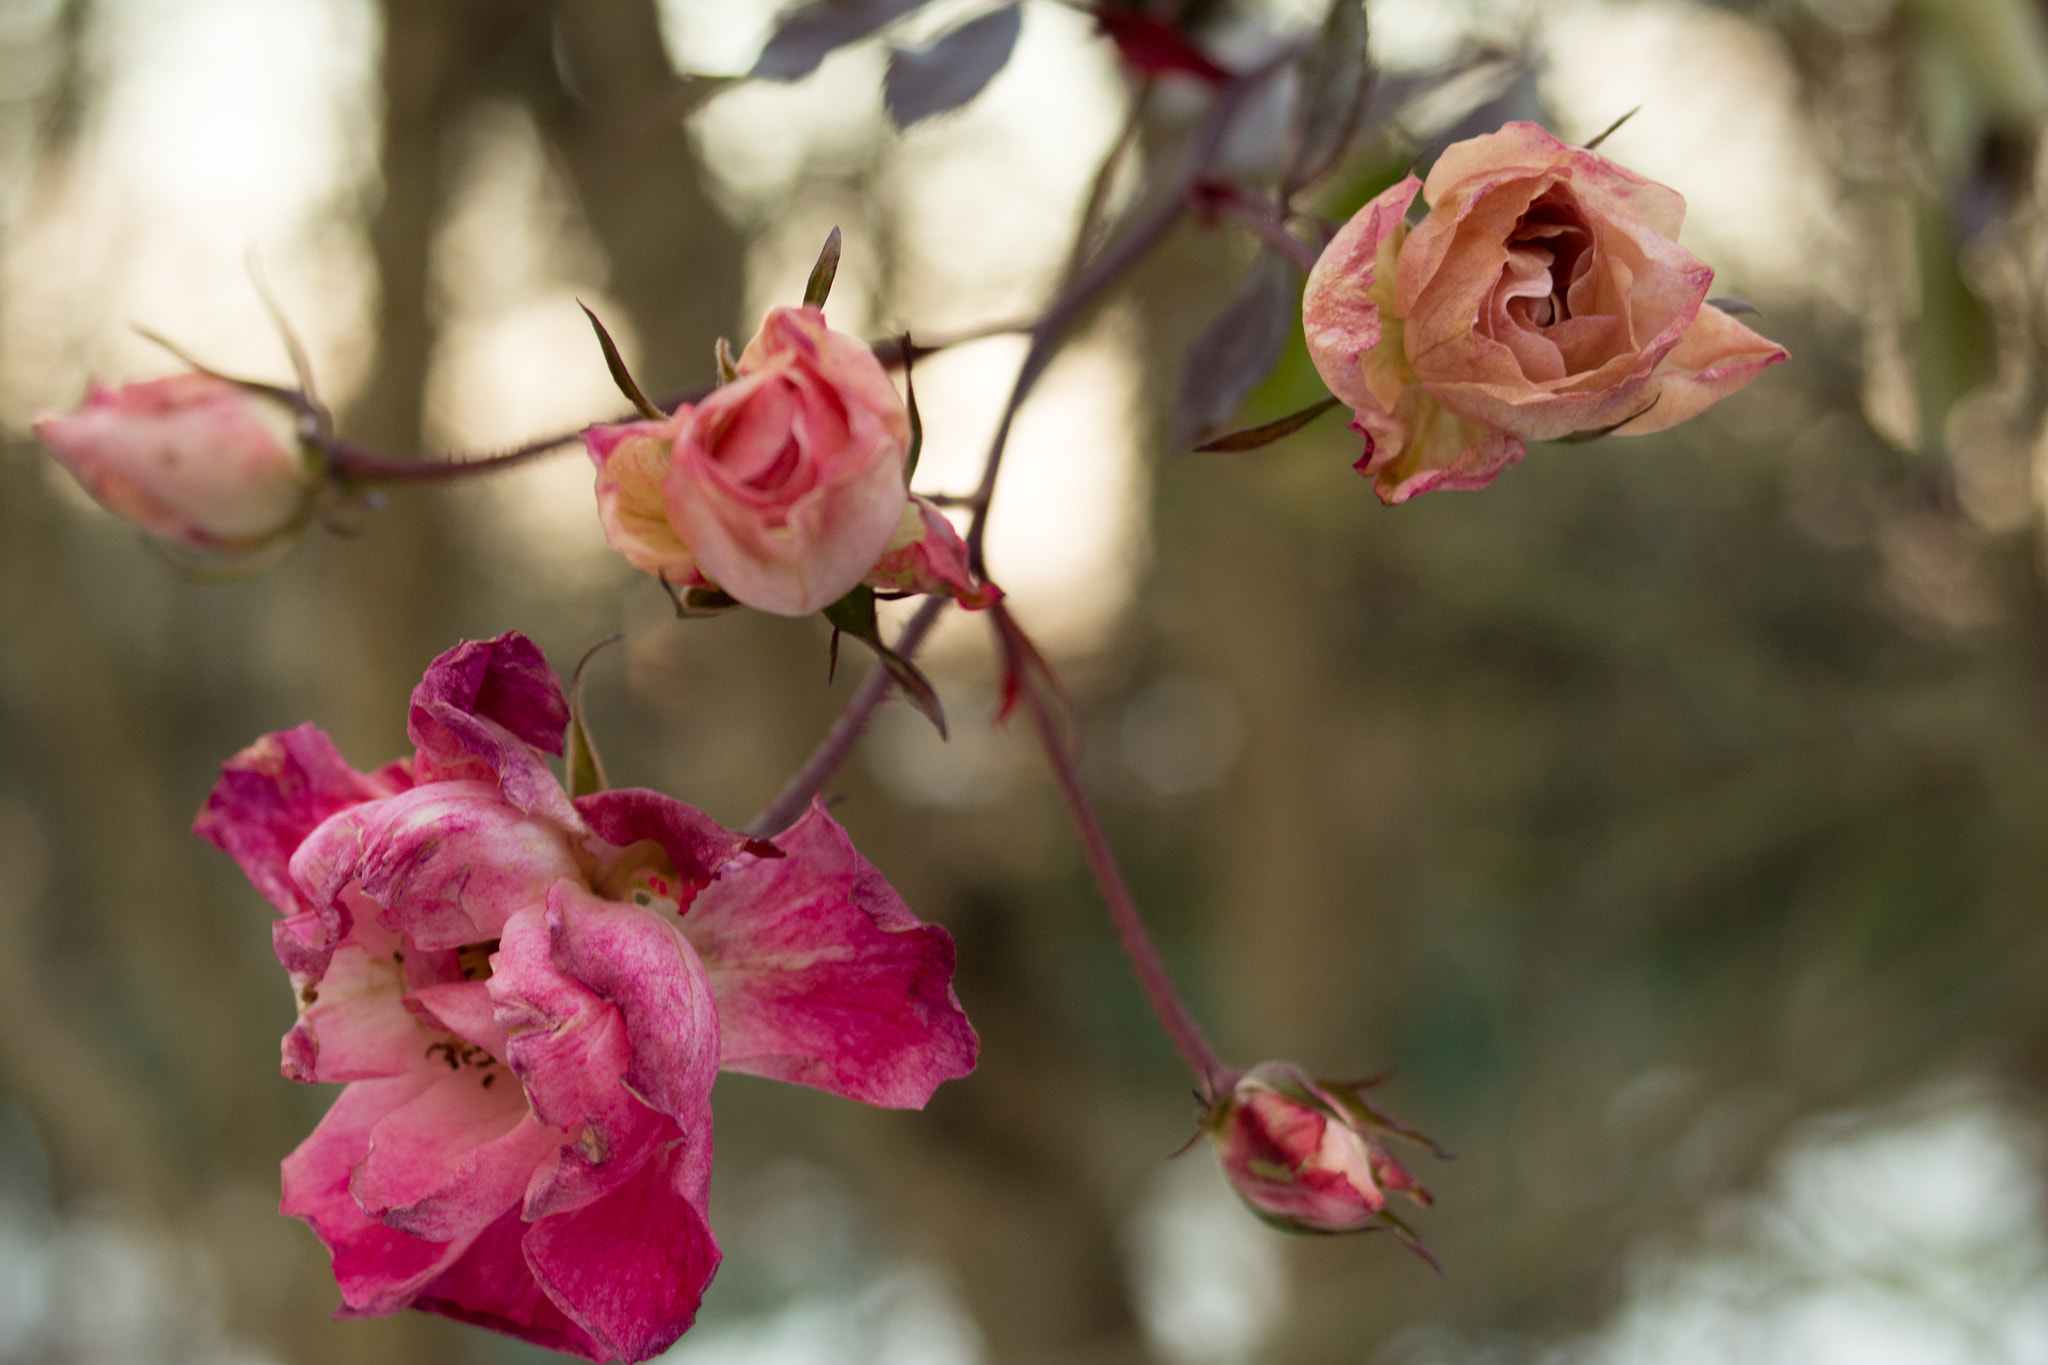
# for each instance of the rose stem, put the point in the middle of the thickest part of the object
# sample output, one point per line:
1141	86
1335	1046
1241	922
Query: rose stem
796	794
1211	1073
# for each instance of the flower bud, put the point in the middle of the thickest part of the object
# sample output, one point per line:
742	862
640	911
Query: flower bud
1304	1154
192	458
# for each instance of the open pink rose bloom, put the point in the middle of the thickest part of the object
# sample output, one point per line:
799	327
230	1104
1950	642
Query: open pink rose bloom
529	998
785	487
1544	295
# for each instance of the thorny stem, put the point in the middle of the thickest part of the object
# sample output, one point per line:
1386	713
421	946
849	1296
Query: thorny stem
1090	279
796	794
1211	1072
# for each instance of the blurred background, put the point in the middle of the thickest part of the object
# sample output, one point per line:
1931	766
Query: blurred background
1674	814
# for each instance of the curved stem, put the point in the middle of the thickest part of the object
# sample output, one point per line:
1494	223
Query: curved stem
795	796
356	466
1211	1073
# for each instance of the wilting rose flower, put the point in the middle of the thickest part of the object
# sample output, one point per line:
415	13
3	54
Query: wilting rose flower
1544	295
1304	1155
782	488
190	458
529	997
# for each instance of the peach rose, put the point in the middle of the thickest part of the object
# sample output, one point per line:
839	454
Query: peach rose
191	458
782	488
1544	295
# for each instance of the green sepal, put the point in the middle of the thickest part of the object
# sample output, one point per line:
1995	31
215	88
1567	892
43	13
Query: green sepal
820	284
728	368
1581	437
916	422
1251	438
697	601
586	770
854	614
621	376
1609	131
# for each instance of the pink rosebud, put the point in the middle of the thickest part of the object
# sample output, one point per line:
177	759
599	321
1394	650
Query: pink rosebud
928	556
191	458
782	488
1545	295
529	998
1304	1155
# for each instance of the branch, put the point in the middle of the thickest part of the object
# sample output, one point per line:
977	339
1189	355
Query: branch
795	797
1210	1071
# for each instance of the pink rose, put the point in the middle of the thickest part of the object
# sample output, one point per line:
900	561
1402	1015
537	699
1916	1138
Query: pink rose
1302	1156
782	488
190	458
928	556
529	998
1544	295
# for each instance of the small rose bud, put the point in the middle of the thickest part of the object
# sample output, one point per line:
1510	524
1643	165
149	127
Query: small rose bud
1303	1155
192	458
782	487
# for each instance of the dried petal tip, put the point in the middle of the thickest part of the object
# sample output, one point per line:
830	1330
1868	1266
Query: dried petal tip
1307	1155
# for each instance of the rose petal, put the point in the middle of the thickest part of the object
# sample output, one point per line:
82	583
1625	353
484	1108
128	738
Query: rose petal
488	709
463	1008
448	862
378	1269
490	1286
928	556
824	978
271	795
353	1025
1717	356
631	1268
453	1158
1422	448
696	845
631	459
1347	291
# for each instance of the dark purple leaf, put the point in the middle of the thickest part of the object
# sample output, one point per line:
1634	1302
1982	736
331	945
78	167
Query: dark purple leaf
1336	82
1237	349
953	70
806	36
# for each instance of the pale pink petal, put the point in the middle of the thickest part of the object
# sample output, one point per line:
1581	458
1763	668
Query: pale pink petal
463	1008
491	1286
631	1268
1716	357
448	862
453	1158
353	1024
273	794
1341	305
824	978
378	1269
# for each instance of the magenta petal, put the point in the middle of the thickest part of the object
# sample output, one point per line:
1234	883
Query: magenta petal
271	796
573	1051
453	1158
448	862
378	1269
695	843
506	680
632	1267
491	1287
824	978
